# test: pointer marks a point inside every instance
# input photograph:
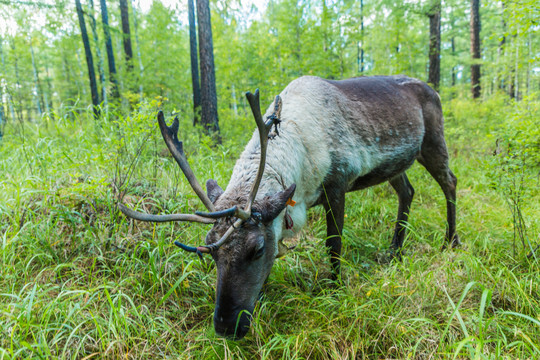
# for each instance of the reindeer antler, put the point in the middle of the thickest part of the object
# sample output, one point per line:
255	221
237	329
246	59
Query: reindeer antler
164	218
170	135
264	130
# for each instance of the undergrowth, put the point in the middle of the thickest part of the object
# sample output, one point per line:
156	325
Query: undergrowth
79	280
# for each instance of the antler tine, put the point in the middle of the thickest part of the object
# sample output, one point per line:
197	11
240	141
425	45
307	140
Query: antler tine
225	237
264	129
170	135
277	106
205	249
233	211
242	215
164	218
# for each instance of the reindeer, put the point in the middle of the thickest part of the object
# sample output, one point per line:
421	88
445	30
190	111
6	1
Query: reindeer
328	138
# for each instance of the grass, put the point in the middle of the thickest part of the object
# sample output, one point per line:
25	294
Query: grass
78	280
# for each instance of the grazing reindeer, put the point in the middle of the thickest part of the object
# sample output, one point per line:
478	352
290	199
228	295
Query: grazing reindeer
329	137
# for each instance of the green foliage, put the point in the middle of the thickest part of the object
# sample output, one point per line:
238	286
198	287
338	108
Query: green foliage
266	49
78	279
516	168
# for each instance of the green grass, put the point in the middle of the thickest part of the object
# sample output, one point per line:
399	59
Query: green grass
78	280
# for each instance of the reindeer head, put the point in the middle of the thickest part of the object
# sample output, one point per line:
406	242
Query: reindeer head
242	241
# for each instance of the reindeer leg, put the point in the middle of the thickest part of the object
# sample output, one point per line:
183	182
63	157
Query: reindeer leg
405	193
436	162
334	205
448	184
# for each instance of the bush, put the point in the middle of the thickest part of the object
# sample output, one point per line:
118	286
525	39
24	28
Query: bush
515	166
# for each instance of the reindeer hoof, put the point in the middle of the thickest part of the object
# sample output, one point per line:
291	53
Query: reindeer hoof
387	256
454	243
396	252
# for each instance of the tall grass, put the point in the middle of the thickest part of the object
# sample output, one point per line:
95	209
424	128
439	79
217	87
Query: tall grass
78	280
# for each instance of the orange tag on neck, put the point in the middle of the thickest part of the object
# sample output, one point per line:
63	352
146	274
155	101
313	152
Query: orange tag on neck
290	202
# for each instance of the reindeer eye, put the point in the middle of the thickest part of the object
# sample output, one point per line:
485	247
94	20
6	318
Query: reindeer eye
259	253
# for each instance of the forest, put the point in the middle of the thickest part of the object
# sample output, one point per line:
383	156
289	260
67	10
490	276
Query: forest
81	84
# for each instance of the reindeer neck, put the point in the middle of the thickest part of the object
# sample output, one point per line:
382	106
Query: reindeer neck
276	176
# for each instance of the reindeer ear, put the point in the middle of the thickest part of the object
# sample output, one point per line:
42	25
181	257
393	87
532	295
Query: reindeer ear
213	190
271	206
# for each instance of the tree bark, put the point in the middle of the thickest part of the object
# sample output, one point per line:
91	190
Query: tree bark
80	82
110	52
4	84
362	36
516	67
141	67
529	56
434	15
89	59
18	100
37	87
101	71
2	113
209	114
235	102
502	55
48	92
453	44
124	13
194	63
475	48
3	118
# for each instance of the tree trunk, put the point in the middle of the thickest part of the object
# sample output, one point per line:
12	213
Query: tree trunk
18	100
511	69
434	15
529	56
3	118
37	87
141	67
475	48
80	82
4	84
362	36
110	52
516	68
501	51
68	72
48	92
298	50
194	63
101	71
124	12
2	113
323	32
118	38
452	41
235	102
89	59
209	114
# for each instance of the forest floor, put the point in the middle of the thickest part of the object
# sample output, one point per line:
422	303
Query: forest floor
79	280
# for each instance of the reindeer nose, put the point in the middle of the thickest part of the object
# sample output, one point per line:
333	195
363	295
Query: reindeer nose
234	325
